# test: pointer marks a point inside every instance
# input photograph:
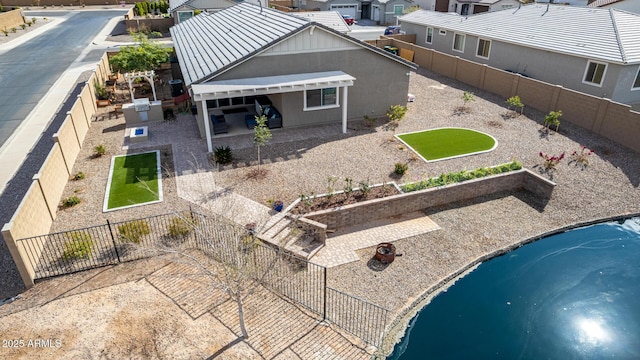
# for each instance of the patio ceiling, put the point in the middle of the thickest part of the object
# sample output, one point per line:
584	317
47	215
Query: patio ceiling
270	85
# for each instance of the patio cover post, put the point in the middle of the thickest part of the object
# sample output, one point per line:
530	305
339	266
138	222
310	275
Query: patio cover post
207	128
345	91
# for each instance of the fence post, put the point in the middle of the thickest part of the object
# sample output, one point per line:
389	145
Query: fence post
113	240
324	305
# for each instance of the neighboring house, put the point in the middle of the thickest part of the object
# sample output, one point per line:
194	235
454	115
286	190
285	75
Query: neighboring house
595	51
564	2
626	5
466	7
332	19
310	73
182	10
470	7
382	11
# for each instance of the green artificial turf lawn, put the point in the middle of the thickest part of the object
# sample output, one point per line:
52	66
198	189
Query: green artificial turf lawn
131	176
444	143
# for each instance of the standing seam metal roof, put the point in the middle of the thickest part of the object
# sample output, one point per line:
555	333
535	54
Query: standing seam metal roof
208	44
609	35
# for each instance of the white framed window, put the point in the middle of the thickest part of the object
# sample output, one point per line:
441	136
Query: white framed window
429	37
184	15
318	99
458	42
484	47
594	73
636	82
398	9
442	32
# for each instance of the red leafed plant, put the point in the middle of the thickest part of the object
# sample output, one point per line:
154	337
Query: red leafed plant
581	157
550	161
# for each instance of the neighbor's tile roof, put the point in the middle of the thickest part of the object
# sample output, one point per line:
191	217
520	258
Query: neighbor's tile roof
601	34
173	4
599	3
332	19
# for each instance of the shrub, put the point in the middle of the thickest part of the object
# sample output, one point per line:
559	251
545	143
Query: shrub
101	92
397	112
70	202
29	23
5	32
133	231
13	30
23	26
365	188
400	168
181	227
79	176
515	102
551	161
553	118
33	20
581	157
155	34
461	176
99	150
222	155
79	246
348	186
467	97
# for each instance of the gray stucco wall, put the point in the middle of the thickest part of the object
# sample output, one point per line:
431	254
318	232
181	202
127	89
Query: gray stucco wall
380	82
551	67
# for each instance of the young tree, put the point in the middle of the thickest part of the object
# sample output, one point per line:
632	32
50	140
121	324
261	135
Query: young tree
553	118
261	136
515	102
144	56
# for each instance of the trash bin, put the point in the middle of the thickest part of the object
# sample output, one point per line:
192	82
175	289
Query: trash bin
176	87
391	49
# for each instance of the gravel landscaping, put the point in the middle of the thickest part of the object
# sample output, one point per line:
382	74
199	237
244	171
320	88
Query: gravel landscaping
470	230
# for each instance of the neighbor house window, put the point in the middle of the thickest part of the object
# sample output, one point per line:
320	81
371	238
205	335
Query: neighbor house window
458	42
429	39
398	9
636	83
484	46
321	99
594	73
184	15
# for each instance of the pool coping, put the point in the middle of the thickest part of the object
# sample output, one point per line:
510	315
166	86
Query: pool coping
397	327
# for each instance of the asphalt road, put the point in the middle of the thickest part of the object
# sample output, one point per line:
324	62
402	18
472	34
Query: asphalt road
29	70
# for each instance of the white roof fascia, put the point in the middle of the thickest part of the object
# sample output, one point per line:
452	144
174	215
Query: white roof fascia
270	84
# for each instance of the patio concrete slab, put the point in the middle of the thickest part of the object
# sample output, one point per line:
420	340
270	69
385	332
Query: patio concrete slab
341	246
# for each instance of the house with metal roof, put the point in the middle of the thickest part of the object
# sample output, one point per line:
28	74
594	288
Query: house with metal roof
594	51
311	74
381	11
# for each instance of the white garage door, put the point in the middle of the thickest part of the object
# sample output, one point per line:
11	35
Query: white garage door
345	9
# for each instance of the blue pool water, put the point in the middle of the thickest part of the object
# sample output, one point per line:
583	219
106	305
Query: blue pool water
574	295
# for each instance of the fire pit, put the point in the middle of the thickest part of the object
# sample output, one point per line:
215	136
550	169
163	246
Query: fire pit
385	253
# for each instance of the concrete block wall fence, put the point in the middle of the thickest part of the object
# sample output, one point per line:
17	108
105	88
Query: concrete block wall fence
602	116
37	211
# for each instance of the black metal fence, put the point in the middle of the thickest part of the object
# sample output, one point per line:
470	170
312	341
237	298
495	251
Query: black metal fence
299	280
359	317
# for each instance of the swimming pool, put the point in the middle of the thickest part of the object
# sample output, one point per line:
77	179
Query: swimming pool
575	295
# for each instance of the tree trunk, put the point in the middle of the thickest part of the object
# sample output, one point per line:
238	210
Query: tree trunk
258	159
243	329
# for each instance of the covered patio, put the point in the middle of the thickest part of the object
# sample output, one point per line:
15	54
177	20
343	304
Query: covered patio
249	88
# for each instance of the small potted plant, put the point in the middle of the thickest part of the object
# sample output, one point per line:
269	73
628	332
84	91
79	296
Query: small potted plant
278	205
